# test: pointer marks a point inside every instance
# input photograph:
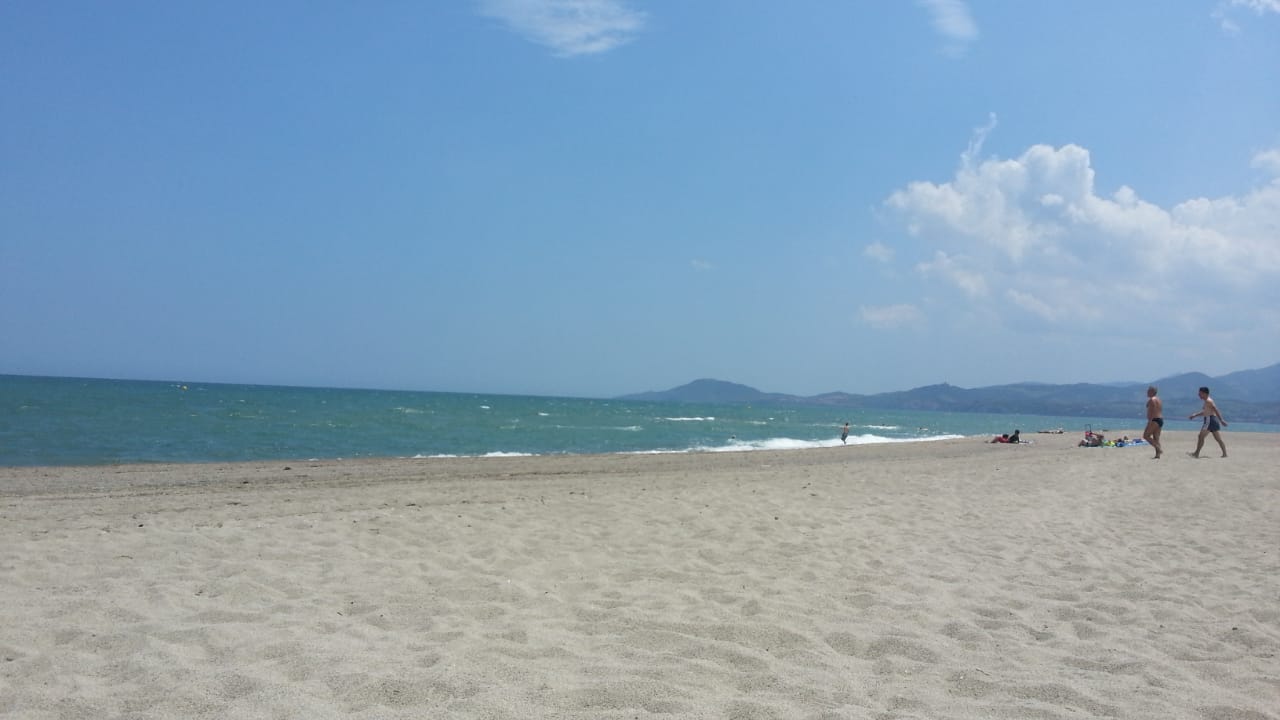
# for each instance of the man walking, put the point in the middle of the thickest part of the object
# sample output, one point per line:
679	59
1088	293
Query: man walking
1213	423
1155	420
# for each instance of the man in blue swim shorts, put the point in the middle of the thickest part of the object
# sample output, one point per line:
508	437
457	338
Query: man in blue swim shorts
1213	423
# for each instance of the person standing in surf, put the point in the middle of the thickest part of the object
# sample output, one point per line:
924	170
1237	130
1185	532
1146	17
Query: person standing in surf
1213	423
844	434
1155	420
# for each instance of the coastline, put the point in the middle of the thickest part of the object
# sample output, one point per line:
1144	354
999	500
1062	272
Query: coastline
950	578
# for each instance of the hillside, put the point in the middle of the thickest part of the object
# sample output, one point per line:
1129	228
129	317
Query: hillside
1247	395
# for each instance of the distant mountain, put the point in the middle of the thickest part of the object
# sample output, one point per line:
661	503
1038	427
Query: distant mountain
707	391
1263	384
1247	395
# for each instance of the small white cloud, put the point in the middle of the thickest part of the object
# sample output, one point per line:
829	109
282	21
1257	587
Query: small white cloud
1259	6
1033	304
952	20
1229	25
1268	160
569	27
977	139
878	251
700	265
888	317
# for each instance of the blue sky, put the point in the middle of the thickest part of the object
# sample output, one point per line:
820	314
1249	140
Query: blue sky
597	197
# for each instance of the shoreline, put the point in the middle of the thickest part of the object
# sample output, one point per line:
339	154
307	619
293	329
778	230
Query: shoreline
745	447
1029	438
947	579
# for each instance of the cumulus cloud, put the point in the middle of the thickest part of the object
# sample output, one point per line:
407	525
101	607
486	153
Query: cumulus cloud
1032	238
569	27
888	317
952	20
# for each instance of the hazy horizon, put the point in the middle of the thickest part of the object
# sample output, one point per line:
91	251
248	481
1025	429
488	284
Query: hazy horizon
201	381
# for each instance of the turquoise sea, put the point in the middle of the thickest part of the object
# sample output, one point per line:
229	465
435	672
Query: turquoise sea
73	421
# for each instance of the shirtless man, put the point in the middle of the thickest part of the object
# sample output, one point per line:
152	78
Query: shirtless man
1155	420
1213	422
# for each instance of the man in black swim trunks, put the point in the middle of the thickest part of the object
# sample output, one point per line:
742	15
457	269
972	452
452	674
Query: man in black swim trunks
1155	420
1213	422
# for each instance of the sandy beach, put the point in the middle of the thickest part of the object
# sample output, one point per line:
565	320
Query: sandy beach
952	579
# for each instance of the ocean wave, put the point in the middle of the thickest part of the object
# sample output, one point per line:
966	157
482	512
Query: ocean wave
689	419
736	445
733	445
595	428
496	454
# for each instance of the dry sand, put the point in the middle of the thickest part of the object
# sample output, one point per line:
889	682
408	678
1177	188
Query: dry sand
953	579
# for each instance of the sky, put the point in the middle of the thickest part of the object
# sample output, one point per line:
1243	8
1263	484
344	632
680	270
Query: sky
591	198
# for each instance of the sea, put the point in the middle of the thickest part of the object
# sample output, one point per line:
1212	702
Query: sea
77	421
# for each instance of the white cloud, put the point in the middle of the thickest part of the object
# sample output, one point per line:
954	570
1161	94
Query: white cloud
1007	204
954	270
952	20
1033	304
1259	6
700	265
878	251
1032	237
977	139
1229	25
569	27
888	317
1268	160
